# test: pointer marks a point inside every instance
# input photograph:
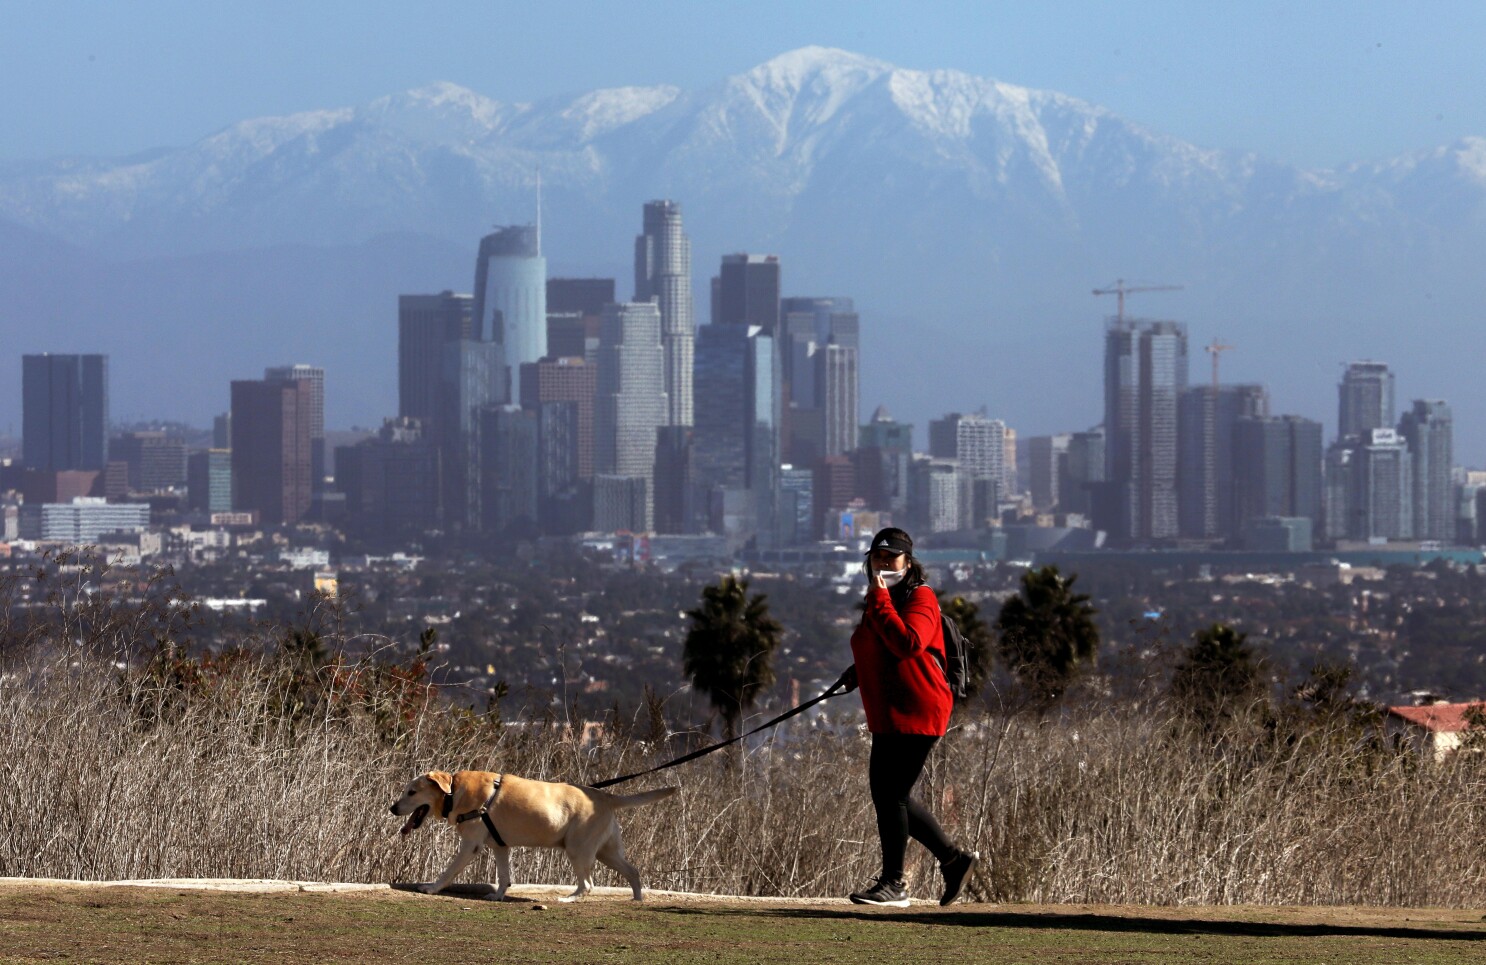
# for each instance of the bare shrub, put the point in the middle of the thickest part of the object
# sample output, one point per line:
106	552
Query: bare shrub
124	756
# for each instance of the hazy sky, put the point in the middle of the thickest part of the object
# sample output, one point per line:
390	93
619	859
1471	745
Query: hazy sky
1315	83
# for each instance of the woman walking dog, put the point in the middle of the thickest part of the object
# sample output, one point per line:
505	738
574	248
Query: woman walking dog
898	649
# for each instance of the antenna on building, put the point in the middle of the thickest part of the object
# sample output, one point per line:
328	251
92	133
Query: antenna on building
539	210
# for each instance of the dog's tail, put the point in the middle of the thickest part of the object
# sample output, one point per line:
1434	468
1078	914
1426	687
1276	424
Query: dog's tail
644	797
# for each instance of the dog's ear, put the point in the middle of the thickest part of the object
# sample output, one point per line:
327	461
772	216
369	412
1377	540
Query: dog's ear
442	780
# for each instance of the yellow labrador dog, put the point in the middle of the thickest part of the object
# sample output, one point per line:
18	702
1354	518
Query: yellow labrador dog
500	811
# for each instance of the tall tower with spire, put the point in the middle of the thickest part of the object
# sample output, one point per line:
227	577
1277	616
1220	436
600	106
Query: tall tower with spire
663	275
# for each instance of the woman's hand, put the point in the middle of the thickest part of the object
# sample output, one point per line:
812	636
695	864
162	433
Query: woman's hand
876	580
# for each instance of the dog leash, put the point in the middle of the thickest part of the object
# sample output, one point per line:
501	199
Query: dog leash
830	692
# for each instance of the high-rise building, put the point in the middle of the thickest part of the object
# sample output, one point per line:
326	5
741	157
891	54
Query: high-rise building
575	307
797	505
564	499
883	457
1365	400
819	351
746	292
621	504
1205	465
885	432
937	495
1380	497
832	487
1081	477
1276	470
510	305
156	462
314	379
663	275
64	412
425	324
630	404
579	296
1427	428
736	445
1145	371
1046	458
565	379
209	480
391	483
509	470
271	453
222	431
676	508
978	445
473	377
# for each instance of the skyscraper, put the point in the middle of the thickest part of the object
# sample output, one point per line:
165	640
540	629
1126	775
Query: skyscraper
1380	497
209	480
1046	458
882	458
579	296
510	305
1205	463
425	323
509	470
663	275
1427	428
1276	469
271	453
1081	477
314	379
64	412
979	445
565	380
1145	371
747	292
736	445
472	377
819	351
391	483
631	400
1365	400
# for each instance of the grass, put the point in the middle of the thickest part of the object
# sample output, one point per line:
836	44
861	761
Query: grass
128	925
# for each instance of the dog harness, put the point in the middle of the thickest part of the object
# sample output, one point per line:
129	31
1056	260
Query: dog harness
482	812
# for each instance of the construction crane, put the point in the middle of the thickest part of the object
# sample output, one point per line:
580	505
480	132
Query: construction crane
1215	349
1120	289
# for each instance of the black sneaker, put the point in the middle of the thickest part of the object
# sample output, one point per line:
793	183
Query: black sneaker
884	892
956	871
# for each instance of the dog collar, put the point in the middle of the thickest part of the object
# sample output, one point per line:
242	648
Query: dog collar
448	804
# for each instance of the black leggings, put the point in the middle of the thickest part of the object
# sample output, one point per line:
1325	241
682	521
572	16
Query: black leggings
897	761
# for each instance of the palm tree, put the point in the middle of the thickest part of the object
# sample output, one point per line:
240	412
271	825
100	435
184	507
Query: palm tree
1045	633
730	648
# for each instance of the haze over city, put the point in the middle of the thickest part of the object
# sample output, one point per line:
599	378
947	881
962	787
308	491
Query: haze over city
1340	237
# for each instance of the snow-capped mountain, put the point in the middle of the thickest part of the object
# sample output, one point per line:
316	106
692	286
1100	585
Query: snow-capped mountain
973	214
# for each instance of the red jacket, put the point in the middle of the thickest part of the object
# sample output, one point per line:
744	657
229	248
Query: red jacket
902	681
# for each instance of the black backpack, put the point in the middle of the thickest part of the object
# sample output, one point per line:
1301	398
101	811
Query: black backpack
956	660
956	655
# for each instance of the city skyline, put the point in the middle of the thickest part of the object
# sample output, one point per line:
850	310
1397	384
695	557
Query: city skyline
966	341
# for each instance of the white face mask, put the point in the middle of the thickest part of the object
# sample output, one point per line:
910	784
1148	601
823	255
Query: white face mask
892	577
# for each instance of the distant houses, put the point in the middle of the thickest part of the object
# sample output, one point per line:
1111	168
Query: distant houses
1434	730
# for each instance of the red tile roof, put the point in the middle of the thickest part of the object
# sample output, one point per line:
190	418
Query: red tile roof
1444	718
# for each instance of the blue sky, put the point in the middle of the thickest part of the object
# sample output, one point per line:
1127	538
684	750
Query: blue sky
1315	83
